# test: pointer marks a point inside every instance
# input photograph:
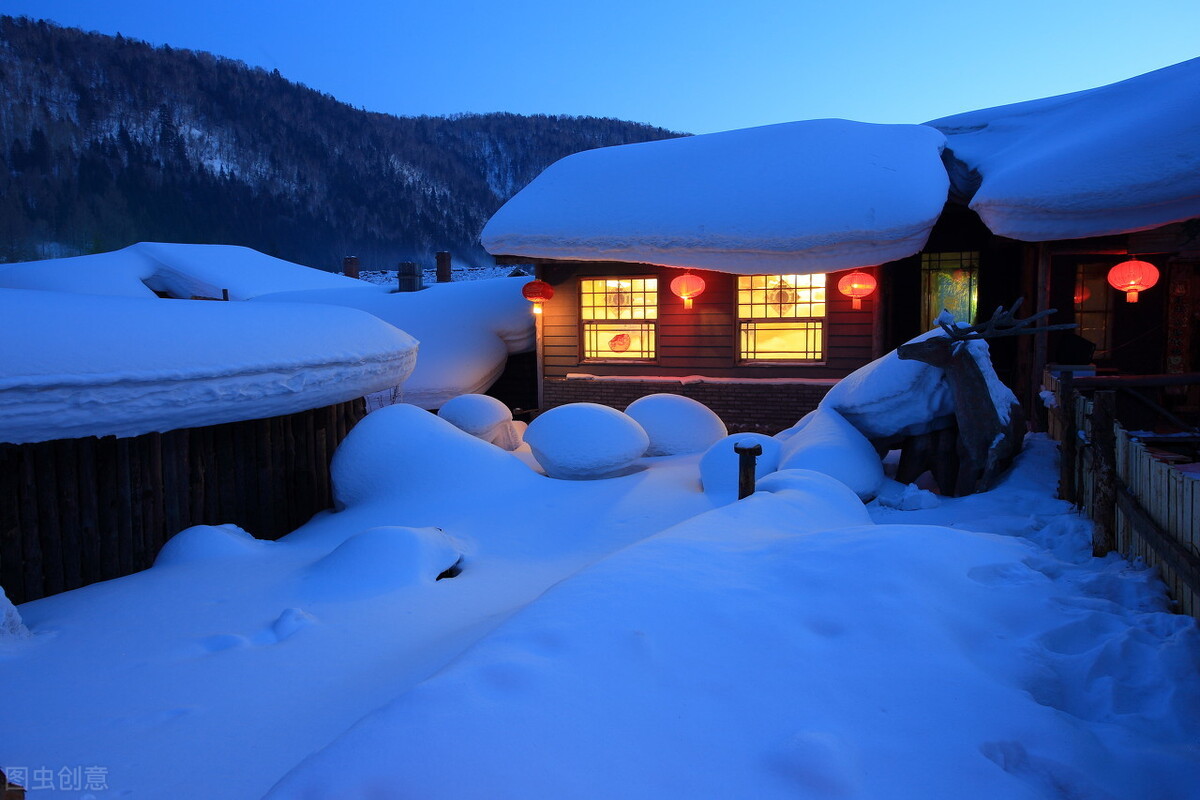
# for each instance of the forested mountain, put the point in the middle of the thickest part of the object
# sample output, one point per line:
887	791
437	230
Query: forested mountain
106	141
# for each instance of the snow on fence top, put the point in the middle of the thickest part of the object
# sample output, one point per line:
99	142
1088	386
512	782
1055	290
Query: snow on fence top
81	365
180	270
1116	159
811	196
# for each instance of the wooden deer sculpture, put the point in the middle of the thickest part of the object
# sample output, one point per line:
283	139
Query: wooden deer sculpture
990	422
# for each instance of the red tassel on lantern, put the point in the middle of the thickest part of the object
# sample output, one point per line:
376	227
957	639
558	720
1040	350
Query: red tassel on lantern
857	285
688	286
1131	277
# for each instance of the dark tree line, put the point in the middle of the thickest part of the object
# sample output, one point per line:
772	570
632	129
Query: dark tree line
106	141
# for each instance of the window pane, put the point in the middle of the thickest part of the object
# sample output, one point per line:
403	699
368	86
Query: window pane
605	340
781	341
949	282
618	298
781	296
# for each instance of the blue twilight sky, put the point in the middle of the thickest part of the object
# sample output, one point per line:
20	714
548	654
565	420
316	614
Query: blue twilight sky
692	66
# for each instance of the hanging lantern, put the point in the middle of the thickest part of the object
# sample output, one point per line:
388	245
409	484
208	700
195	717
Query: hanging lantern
1082	294
1132	277
857	285
688	286
537	292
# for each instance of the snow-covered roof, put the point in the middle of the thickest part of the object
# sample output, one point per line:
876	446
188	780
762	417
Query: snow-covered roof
181	270
811	196
1116	159
467	330
82	365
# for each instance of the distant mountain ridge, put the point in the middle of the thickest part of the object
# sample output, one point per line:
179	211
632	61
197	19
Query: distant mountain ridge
105	141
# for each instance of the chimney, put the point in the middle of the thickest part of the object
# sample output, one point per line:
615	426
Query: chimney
443	267
408	276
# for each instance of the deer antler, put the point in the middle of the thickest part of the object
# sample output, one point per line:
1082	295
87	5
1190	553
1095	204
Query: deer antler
1004	323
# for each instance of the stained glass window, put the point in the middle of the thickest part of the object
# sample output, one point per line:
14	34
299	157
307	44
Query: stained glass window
950	283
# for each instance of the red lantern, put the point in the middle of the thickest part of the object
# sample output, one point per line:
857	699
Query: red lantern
1082	294
688	286
1132	277
537	292
857	285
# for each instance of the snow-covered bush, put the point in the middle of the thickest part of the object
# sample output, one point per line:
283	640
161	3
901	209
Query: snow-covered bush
380	559
403	450
676	424
208	543
11	625
481	416
830	444
719	466
582	441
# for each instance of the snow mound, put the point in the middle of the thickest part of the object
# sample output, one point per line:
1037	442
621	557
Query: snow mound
719	466
381	559
403	450
676	424
203	543
178	270
77	365
467	330
481	416
830	444
583	441
826	502
1110	160
892	397
813	196
905	497
11	626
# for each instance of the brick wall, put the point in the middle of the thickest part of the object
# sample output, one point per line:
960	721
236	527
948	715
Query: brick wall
761	407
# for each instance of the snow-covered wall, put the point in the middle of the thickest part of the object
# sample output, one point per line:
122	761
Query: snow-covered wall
812	196
82	365
1116	159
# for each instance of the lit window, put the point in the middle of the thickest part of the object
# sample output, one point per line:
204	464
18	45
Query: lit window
619	317
949	282
781	317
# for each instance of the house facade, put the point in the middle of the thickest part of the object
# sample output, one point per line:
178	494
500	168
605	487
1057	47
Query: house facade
1035	201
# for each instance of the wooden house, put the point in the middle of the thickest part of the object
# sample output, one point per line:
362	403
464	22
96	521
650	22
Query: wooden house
773	219
124	420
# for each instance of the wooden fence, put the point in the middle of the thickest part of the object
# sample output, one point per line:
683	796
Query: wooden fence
78	511
1143	506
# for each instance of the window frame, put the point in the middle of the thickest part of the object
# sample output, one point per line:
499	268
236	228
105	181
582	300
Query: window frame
741	359
587	325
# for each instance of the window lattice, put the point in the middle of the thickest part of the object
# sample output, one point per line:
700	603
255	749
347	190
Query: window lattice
619	318
625	298
781	296
619	340
781	317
